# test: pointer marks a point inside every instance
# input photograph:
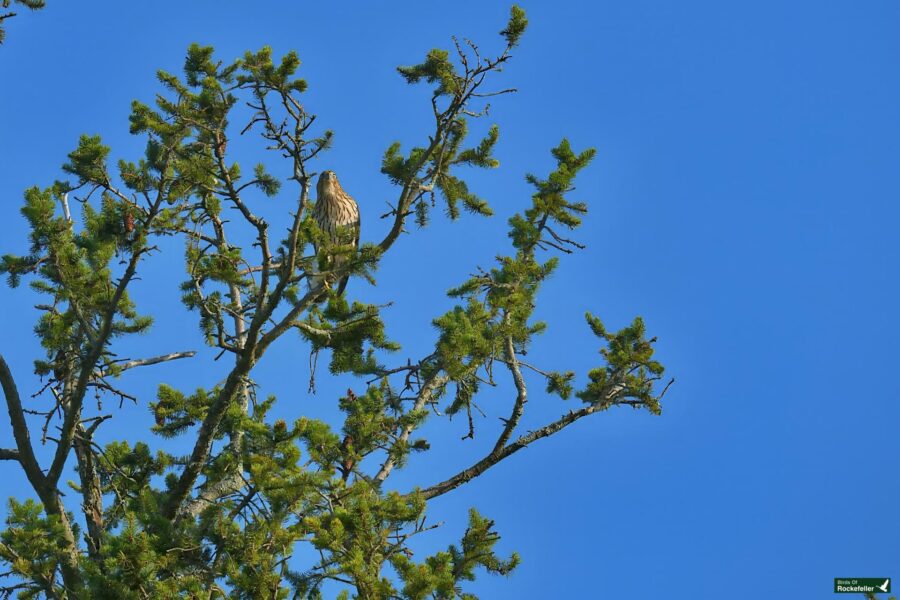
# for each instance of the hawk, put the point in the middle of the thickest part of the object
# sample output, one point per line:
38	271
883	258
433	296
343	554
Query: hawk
337	215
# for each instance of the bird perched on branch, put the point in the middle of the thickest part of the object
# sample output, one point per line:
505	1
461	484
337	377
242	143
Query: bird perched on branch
337	215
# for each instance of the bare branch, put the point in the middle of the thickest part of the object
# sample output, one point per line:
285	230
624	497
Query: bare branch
45	490
143	362
521	394
20	429
290	319
256	269
497	93
315	331
65	206
494	457
91	490
196	235
500	453
425	396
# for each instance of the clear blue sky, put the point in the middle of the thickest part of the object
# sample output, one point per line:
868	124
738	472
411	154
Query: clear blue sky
744	201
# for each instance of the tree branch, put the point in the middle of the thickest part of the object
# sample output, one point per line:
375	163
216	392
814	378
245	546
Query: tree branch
20	429
497	455
253	347
99	343
91	490
45	489
211	493
206	436
521	395
143	362
425	395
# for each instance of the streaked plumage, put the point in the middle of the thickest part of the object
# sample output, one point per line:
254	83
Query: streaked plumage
337	215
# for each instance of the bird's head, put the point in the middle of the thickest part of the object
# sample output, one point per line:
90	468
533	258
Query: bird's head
328	181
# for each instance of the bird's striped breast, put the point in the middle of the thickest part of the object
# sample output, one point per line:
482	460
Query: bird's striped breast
334	211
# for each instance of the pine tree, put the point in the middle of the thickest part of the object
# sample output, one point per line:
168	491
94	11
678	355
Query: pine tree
225	520
8	14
